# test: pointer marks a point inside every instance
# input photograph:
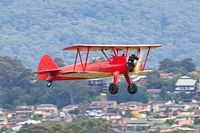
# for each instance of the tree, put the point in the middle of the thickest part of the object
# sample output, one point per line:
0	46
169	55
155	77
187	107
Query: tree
98	126
74	128
166	65
38	128
187	64
182	66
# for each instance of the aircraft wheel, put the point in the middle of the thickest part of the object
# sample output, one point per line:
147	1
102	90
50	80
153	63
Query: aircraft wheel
132	89
113	88
49	84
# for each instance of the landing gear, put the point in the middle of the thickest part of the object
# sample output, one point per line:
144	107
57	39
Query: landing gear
113	88
49	83
132	88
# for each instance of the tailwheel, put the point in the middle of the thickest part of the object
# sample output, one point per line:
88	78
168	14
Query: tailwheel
132	88
49	83
113	88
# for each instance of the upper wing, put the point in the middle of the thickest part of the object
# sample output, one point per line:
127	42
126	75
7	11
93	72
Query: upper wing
98	47
86	74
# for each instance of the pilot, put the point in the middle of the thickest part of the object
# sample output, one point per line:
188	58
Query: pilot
131	62
94	59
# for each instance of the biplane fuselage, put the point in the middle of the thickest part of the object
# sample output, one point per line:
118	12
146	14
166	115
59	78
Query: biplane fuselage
98	68
103	67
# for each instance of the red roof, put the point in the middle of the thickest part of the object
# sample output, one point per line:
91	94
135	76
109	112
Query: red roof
154	91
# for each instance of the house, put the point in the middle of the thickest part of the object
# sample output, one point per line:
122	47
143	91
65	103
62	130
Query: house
171	109
24	110
153	91
112	116
15	121
103	83
3	121
137	123
46	110
95	114
140	80
197	112
185	119
11	115
103	105
155	107
166	75
47	107
135	106
186	84
116	119
2	113
69	108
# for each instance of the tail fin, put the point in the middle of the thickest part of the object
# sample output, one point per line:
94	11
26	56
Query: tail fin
46	68
47	63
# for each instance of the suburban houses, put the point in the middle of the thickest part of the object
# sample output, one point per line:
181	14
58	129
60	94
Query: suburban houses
159	116
128	116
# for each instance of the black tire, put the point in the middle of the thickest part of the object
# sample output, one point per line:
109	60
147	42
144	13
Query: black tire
132	89
49	84
113	88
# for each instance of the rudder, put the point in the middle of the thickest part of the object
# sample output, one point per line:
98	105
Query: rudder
46	64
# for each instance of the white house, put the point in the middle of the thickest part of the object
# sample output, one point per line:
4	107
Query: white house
186	84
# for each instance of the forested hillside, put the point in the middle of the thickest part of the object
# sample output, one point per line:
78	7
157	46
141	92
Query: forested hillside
31	28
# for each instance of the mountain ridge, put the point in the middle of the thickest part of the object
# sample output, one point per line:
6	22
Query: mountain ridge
30	29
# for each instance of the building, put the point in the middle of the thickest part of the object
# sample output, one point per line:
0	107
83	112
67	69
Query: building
47	107
154	91
46	110
3	121
24	110
166	75
186	84
69	108
171	109
140	80
2	113
185	119
134	106
155	107
103	83
137	123
103	104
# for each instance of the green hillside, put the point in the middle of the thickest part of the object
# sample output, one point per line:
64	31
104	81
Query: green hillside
31	28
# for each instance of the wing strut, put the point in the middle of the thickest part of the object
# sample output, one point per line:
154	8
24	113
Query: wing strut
147	55
76	59
115	53
80	58
86	58
105	55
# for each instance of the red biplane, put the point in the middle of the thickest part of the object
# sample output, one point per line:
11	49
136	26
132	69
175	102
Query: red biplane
114	66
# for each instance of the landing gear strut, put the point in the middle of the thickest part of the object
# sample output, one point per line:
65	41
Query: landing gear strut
113	88
49	83
132	88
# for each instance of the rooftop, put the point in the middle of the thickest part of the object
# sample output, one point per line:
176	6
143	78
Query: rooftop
46	105
154	91
186	81
172	105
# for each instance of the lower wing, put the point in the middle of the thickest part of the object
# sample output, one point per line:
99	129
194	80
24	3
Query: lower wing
87	75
